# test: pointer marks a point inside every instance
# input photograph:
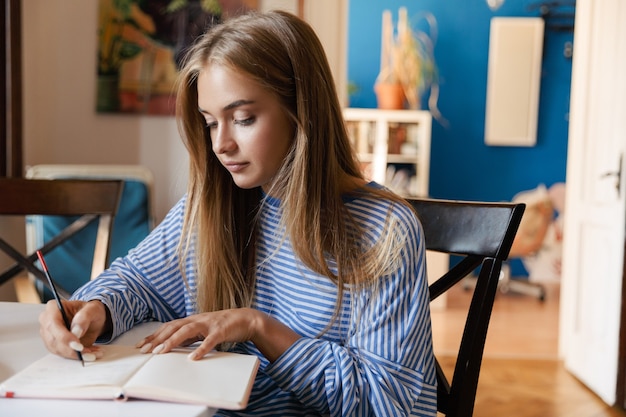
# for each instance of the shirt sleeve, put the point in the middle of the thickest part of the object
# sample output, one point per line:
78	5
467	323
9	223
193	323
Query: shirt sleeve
386	367
147	284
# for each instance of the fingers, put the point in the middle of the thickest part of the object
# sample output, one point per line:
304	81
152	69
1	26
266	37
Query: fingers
205	347
85	319
236	325
53	332
89	321
210	328
176	333
89	354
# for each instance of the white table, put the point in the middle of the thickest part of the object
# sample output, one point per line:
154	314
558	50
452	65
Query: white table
20	345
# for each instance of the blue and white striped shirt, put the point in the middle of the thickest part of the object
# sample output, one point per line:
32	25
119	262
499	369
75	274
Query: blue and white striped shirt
376	359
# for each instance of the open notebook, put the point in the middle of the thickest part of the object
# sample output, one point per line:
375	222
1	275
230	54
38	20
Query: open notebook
219	380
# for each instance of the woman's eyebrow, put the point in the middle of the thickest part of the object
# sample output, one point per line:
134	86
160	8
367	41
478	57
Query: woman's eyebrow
230	106
237	103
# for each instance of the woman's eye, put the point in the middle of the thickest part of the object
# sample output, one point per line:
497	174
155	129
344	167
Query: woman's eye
211	125
245	122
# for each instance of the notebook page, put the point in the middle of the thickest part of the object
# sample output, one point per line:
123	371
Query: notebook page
56	377
220	379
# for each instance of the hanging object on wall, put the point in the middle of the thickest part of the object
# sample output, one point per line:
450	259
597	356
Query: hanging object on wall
141	46
494	4
513	80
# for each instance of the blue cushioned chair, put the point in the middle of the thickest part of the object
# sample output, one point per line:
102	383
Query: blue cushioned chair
133	222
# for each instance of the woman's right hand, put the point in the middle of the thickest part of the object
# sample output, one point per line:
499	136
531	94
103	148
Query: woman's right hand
88	321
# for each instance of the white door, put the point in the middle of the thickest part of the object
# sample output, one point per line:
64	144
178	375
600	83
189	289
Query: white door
595	209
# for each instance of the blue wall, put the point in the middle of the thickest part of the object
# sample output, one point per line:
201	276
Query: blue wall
462	166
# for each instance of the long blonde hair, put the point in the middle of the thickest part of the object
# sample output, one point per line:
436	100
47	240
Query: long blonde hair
282	53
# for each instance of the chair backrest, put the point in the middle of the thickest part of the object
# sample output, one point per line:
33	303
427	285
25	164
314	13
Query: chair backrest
481	235
88	199
133	222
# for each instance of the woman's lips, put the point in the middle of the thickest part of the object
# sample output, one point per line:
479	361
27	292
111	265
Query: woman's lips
235	166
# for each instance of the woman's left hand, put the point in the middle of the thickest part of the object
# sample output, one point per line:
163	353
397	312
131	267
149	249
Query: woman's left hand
271	337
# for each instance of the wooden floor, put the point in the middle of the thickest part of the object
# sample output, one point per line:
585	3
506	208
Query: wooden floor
521	375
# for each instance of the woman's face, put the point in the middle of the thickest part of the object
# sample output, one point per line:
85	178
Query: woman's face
250	132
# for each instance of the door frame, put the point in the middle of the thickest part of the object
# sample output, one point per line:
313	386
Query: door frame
11	162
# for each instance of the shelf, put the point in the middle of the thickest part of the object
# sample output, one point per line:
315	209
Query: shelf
393	146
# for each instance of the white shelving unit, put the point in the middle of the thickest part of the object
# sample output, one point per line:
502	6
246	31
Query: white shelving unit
393	146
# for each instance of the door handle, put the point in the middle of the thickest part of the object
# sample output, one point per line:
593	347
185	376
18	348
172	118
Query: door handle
617	174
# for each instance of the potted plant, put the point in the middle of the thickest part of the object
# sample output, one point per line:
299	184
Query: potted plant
407	66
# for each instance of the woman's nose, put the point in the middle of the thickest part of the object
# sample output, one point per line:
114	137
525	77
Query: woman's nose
222	141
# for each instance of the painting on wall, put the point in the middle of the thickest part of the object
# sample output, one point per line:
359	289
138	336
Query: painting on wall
141	44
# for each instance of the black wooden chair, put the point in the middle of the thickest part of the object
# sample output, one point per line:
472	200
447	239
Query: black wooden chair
481	235
87	199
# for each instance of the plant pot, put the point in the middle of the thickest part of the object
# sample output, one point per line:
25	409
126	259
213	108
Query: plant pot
390	96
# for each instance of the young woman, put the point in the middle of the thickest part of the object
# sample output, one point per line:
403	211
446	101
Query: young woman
280	248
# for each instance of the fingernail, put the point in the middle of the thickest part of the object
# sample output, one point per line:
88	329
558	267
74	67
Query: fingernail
77	331
89	357
158	349
76	346
192	356
146	348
